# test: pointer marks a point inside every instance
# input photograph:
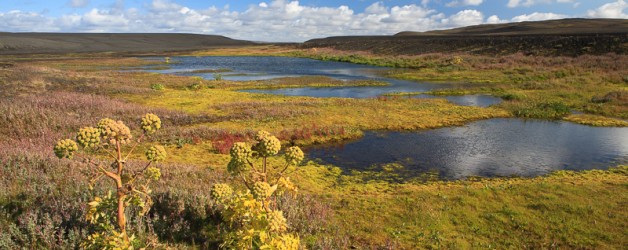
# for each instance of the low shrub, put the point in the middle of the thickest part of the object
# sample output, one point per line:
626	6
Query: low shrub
157	86
252	218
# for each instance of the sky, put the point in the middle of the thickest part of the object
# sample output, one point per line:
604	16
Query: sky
284	20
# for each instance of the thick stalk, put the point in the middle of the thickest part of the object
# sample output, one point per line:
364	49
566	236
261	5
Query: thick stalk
119	158
265	179
121	194
121	216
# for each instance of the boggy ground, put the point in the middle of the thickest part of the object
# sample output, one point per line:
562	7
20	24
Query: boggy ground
42	199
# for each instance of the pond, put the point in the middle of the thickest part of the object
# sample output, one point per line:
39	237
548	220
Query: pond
496	147
246	68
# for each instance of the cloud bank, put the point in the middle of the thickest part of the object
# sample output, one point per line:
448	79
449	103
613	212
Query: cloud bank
278	20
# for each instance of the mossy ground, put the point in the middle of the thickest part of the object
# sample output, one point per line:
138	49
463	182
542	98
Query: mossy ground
366	209
562	210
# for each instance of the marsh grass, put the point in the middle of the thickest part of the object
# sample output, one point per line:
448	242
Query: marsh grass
594	120
299	82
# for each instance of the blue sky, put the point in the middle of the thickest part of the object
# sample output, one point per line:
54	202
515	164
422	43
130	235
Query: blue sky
285	20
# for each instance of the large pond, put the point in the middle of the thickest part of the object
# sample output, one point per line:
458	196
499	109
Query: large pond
241	68
496	147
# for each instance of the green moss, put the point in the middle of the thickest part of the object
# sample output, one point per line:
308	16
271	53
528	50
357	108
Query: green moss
566	209
596	120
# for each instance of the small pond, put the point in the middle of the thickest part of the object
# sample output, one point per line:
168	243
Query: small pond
496	147
246	68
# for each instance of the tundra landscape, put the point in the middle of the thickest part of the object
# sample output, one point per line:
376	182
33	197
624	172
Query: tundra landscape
504	136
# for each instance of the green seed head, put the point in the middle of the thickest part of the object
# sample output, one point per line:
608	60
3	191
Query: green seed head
88	137
262	190
240	152
114	131
150	123
103	124
152	173
221	192
267	145
156	153
65	148
294	155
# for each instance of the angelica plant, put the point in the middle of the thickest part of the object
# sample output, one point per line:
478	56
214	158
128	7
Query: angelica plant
115	140
252	217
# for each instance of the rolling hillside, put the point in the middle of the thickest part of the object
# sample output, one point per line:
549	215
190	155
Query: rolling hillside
568	37
29	43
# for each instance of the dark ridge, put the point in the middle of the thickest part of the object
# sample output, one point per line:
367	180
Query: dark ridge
52	43
555	27
565	37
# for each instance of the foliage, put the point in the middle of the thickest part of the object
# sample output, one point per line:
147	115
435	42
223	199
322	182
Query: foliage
132	187
546	110
157	86
195	86
252	216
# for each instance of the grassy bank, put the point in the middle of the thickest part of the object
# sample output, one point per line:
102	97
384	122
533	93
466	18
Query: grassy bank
48	100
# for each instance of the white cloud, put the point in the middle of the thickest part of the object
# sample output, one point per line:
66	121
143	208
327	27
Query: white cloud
528	3
376	8
78	3
512	3
494	19
464	18
464	3
16	20
103	19
610	10
537	16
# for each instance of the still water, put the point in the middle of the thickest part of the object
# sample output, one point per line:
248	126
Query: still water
496	147
247	68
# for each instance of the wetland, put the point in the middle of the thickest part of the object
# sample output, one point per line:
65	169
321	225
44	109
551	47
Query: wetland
496	147
410	162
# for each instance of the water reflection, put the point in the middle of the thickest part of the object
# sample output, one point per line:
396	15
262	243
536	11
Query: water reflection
265	67
468	100
497	147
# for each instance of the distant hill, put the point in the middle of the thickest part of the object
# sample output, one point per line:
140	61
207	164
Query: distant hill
28	43
551	27
567	37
